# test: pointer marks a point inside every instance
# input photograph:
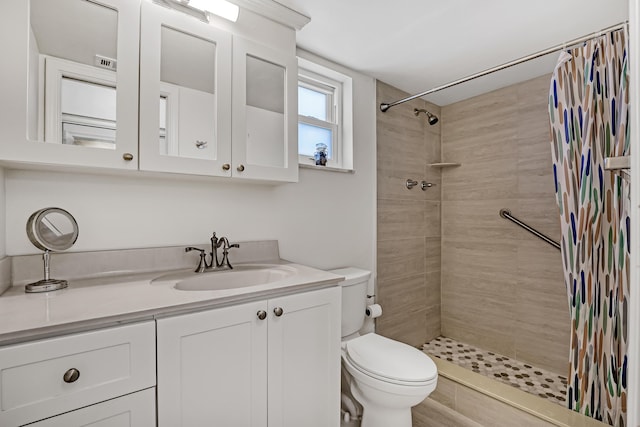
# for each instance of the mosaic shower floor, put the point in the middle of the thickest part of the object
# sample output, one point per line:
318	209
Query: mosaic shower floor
501	368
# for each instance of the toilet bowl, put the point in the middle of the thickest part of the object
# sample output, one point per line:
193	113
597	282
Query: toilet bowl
385	377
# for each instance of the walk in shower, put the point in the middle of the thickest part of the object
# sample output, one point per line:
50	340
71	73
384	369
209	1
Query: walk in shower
493	296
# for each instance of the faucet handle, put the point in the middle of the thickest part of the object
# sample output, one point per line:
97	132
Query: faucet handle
225	252
202	264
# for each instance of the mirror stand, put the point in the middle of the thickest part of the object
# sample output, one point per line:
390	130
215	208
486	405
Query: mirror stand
50	229
47	284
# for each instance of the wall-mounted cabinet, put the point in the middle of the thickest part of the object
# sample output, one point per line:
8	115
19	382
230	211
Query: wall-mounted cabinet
212	99
70	82
265	113
185	94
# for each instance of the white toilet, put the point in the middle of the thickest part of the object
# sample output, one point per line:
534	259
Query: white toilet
386	377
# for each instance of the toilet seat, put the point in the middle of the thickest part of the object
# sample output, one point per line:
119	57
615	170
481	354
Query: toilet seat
390	361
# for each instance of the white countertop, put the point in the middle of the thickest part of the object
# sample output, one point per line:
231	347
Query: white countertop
95	303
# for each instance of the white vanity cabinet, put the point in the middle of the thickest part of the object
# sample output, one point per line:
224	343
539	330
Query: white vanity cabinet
70	82
47	378
268	363
215	102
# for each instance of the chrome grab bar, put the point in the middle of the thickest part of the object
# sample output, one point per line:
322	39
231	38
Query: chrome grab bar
506	214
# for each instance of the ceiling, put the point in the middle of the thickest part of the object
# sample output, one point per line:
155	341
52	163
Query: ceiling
416	45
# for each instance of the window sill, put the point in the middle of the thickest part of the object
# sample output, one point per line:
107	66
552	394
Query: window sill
325	168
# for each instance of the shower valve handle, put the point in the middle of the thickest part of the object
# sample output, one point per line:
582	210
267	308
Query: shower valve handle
411	183
426	185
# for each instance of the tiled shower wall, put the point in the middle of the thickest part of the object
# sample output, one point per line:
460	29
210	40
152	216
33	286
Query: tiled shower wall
408	263
502	288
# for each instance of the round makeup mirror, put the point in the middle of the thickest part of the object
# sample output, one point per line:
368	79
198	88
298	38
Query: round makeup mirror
51	229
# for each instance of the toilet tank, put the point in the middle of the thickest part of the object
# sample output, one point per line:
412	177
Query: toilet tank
354	298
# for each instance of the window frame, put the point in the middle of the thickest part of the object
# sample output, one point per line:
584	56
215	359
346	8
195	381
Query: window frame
334	91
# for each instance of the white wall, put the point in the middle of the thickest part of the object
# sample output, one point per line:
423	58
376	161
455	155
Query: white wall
326	220
3	222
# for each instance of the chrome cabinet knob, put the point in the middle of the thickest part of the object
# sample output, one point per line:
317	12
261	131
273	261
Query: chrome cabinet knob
240	168
71	375
262	314
226	167
127	156
278	311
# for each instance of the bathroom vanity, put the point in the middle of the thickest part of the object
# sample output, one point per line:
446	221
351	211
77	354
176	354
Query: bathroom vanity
265	363
116	350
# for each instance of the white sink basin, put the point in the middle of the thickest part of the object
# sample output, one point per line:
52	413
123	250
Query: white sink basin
240	277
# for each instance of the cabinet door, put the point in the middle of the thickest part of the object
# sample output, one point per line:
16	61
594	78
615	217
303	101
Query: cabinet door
185	94
212	368
134	410
70	88
265	105
304	359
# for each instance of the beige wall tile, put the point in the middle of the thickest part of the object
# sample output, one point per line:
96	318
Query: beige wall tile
432	218
431	413
407	327
445	392
408	221
477	221
432	255
401	258
481	259
541	213
491	179
404	305
433	325
502	288
490	412
400	219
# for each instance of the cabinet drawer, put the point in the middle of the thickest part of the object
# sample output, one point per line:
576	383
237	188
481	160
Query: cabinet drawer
37	380
134	410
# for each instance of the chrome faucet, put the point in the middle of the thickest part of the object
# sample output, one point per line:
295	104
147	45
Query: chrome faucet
214	264
215	244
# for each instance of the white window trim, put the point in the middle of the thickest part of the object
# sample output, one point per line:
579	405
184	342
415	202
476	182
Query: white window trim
324	74
333	89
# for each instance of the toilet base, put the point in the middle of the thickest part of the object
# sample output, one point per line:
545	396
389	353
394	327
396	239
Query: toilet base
385	418
377	414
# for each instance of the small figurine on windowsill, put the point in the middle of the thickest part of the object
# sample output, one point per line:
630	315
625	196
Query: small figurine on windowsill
321	154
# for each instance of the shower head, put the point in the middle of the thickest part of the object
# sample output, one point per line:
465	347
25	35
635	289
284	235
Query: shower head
432	118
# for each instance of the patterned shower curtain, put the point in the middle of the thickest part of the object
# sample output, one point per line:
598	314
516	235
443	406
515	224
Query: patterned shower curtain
588	108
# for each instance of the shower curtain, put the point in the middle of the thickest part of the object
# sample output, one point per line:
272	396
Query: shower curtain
588	105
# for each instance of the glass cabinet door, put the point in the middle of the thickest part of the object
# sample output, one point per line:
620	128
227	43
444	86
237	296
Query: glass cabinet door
264	112
72	81
185	94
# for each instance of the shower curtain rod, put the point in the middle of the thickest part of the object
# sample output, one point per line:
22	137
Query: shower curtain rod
384	106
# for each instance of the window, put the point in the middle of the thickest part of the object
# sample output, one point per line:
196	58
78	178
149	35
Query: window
319	116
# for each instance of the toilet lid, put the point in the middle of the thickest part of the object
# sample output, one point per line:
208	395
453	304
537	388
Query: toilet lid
391	359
